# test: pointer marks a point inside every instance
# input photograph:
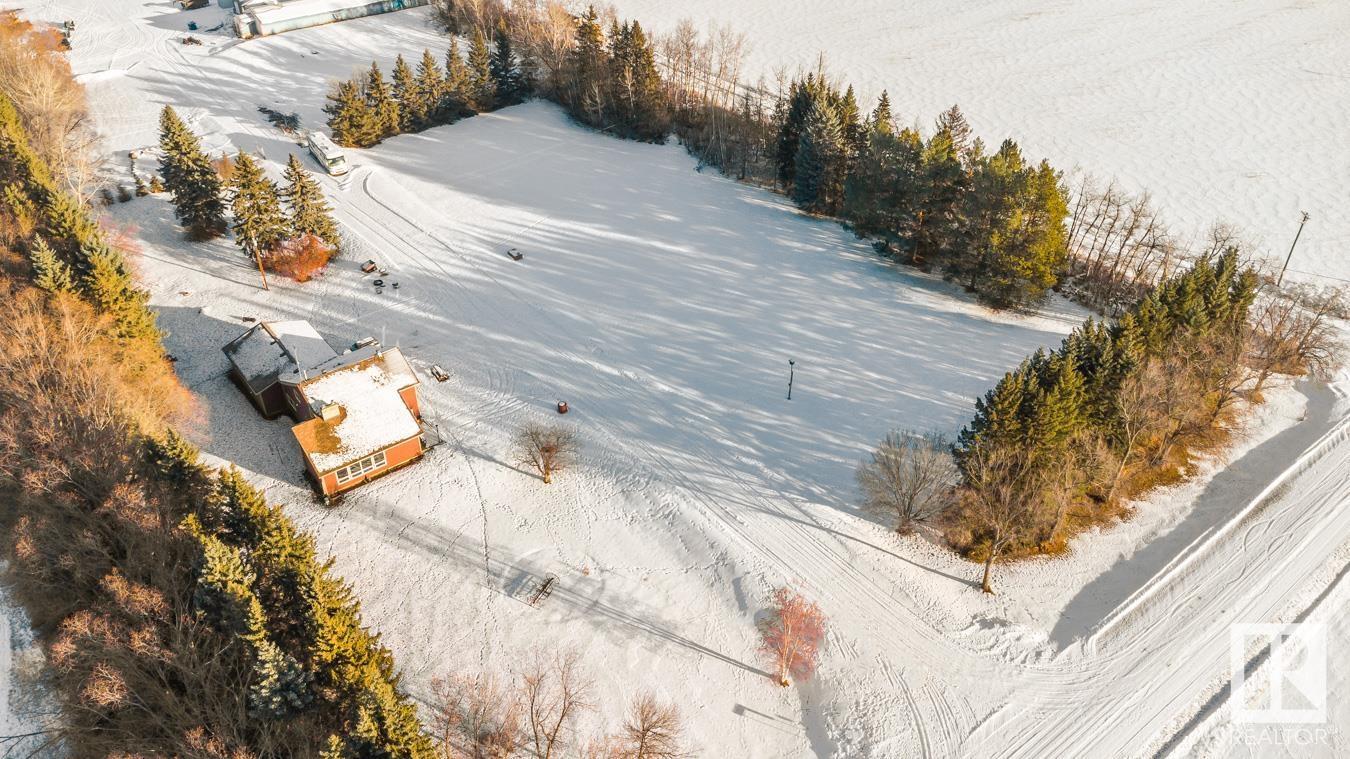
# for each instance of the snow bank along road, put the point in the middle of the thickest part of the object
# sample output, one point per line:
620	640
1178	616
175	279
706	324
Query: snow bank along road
663	304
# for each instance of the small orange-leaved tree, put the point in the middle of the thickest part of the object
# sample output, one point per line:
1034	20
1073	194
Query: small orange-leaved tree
300	257
792	634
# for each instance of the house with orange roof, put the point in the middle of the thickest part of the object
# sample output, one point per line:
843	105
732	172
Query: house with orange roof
357	415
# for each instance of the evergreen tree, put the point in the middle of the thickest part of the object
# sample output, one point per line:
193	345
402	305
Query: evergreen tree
882	120
384	111
223	594
259	224
801	100
190	177
635	84
482	87
430	88
349	117
881	193
49	271
310	213
851	127
586	80
821	161
280	687
112	291
508	83
405	93
954	123
938	223
458	90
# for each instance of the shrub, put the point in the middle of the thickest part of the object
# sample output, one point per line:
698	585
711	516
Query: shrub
300	258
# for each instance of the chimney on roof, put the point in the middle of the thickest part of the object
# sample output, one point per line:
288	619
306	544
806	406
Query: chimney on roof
330	411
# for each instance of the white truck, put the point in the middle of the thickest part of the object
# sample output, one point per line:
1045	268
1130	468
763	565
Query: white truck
329	155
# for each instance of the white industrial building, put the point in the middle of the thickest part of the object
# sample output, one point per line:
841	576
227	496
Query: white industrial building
258	18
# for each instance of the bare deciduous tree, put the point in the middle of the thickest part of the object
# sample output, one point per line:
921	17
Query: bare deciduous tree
651	730
545	449
475	718
1295	333
908	479
554	691
792	635
1004	488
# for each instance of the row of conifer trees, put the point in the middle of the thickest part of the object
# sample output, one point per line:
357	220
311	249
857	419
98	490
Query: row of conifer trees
181	614
260	221
368	108
992	221
1069	433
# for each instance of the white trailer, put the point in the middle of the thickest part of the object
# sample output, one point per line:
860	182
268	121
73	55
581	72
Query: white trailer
328	154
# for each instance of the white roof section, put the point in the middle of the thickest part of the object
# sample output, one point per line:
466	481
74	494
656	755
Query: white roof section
269	13
273	351
372	416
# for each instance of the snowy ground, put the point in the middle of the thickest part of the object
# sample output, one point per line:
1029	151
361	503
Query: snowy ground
663	305
26	710
1225	109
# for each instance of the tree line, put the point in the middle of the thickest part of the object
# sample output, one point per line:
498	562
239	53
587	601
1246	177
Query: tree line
367	109
298	236
1063	441
181	614
993	221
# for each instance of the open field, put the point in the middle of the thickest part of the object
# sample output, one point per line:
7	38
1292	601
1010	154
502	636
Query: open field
663	304
1229	110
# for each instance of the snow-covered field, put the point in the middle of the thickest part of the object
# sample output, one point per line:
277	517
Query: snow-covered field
1223	109
663	305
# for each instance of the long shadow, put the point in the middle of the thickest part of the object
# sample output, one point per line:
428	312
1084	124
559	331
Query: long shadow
1230	490
962	580
443	544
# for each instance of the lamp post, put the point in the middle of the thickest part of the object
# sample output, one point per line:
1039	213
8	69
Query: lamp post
1289	257
792	364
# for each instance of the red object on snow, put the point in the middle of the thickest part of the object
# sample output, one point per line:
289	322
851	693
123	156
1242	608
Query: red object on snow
562	407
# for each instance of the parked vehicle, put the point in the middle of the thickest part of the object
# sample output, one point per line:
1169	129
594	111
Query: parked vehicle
192	5
328	154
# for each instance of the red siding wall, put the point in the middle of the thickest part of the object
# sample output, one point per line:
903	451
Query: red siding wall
409	395
395	456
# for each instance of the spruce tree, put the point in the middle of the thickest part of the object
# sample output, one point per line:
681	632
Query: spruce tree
190	177
280	687
821	159
349	117
882	120
384	112
585	77
259	224
482	87
954	123
49	271
430	88
938	223
223	594
505	70
310	213
458	91
405	93
110	288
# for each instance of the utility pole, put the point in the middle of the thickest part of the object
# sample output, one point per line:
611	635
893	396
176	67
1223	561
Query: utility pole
792	364
253	245
1287	258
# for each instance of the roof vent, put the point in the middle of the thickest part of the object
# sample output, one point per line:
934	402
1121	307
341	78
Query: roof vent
330	412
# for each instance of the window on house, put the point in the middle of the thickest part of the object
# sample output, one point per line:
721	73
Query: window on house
359	468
